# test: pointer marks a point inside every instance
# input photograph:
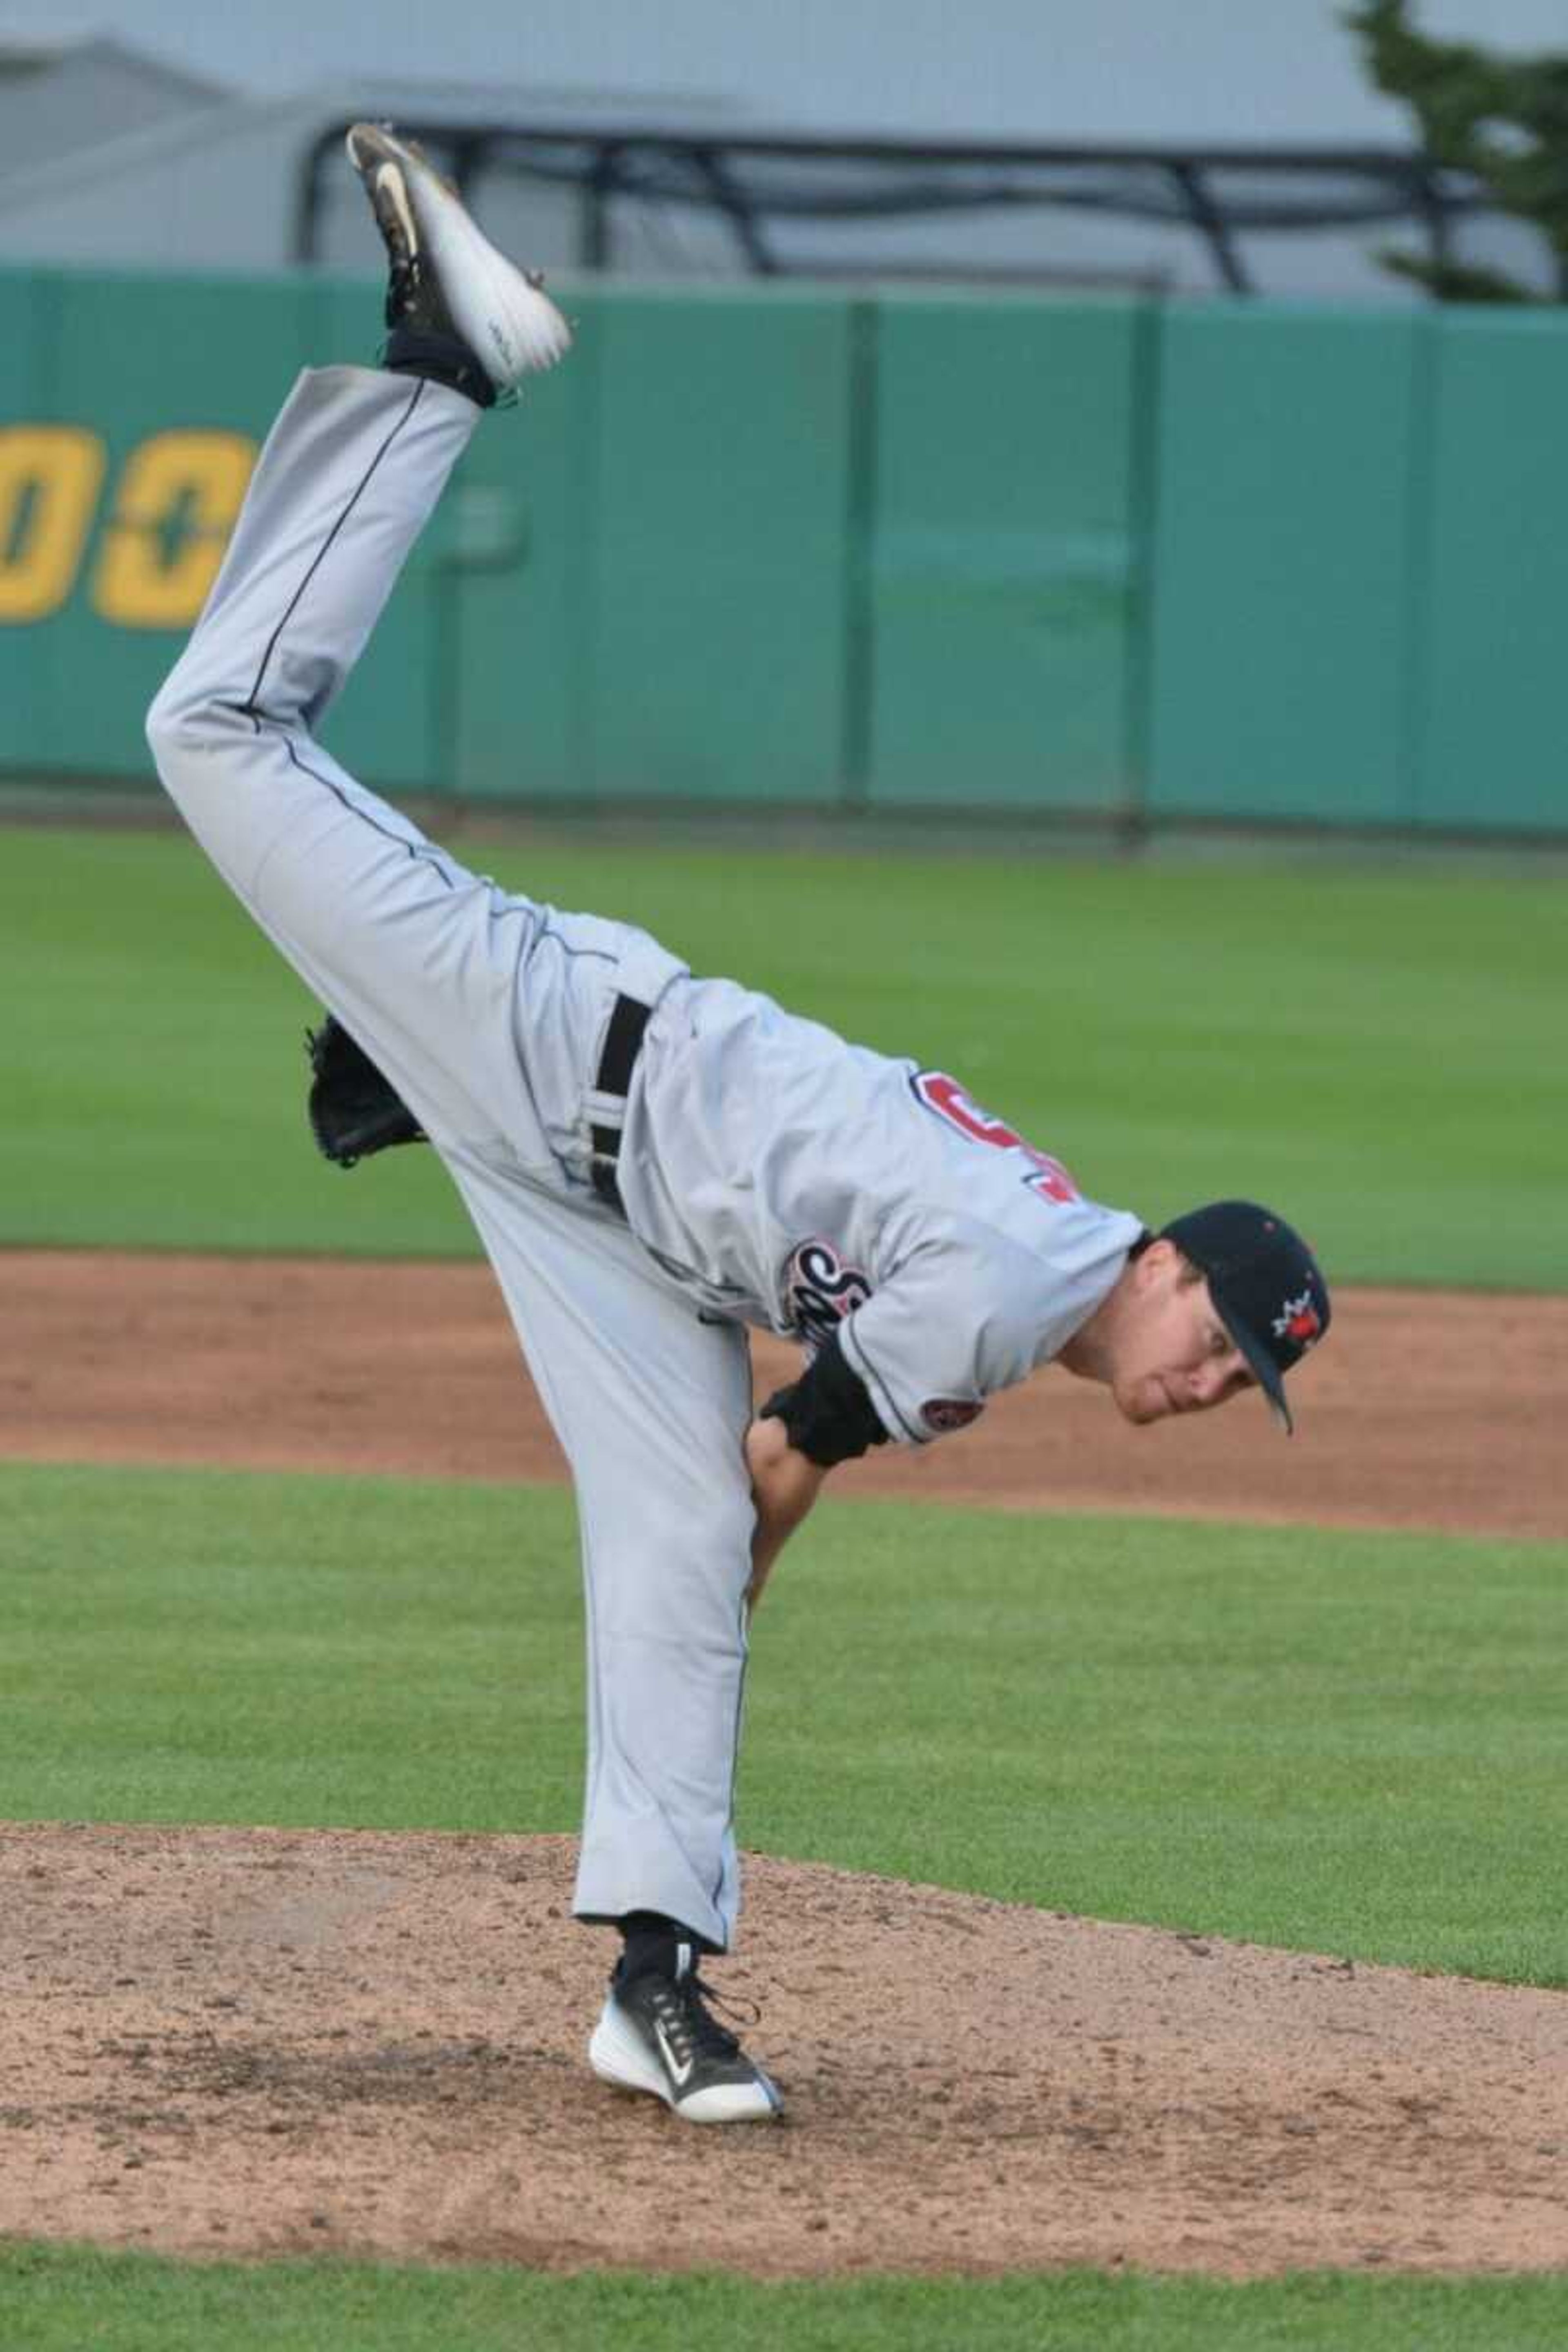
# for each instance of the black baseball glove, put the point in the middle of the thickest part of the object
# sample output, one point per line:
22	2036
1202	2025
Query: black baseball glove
354	1109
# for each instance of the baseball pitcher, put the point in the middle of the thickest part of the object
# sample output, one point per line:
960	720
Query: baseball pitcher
653	1161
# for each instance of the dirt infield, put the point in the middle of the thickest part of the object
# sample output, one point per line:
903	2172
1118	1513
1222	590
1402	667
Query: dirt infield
1427	1409
233	2041
229	2040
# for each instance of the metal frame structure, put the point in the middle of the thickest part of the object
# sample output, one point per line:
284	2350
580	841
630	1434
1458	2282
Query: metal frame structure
756	183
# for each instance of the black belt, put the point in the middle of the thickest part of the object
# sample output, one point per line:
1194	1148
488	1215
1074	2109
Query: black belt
623	1043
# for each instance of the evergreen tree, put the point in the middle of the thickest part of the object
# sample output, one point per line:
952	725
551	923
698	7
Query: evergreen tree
1503	120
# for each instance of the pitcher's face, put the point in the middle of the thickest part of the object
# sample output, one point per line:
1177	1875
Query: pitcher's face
1173	1354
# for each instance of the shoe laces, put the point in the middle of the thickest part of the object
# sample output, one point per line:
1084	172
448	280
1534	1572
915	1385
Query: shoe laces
404	285
683	2005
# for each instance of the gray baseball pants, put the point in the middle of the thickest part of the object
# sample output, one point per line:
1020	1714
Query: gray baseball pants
488	1012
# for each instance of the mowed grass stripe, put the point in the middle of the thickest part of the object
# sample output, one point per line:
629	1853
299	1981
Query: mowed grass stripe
1376	1051
1332	1741
59	2299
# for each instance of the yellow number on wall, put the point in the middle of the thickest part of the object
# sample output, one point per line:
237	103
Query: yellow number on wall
178	498
50	476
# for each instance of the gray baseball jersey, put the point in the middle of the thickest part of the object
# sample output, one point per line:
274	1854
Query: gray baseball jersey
799	1183
767	1173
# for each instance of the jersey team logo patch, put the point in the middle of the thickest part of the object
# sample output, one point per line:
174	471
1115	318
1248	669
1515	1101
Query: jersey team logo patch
820	1290
943	1414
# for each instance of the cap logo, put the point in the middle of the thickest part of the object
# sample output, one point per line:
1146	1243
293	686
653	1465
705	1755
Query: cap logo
1298	1321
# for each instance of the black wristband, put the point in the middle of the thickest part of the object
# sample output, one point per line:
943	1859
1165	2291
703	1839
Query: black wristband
827	1413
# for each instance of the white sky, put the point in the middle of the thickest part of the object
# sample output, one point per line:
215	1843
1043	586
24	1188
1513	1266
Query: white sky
1024	68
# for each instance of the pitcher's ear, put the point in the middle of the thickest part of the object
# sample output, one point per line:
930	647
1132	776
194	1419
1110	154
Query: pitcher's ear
1154	1259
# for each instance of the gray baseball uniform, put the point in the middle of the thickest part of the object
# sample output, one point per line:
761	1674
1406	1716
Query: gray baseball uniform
725	1164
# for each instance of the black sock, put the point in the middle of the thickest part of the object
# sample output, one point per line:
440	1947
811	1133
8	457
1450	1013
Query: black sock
653	1943
443	358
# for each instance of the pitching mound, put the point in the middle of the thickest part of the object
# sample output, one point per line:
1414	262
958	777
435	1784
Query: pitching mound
262	2041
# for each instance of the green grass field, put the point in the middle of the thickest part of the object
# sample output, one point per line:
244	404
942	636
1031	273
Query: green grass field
1348	1743
62	2300
1376	1053
1340	1742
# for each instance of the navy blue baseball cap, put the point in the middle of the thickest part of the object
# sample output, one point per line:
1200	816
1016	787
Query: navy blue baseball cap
1268	1289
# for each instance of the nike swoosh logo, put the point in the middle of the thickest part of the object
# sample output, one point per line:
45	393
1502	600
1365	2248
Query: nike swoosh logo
680	2074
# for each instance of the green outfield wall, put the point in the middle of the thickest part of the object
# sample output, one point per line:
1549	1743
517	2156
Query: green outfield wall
1136	560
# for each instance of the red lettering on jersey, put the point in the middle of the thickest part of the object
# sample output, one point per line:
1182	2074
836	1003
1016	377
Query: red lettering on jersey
947	1098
